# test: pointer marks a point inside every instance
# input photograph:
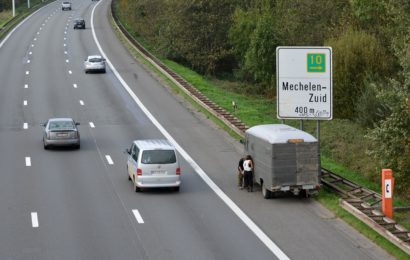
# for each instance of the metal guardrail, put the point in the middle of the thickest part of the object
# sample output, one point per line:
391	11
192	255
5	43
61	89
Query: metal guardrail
365	200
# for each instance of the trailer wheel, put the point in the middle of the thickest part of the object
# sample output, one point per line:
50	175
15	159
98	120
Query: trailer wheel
267	194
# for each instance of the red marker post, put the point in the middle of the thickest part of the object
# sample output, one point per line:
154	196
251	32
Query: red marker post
387	192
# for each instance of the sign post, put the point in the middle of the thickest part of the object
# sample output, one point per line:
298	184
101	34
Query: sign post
304	83
387	192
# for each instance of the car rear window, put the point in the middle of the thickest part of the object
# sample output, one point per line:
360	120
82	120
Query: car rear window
95	60
158	157
56	125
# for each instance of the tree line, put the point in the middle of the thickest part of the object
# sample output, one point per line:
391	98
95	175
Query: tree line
371	53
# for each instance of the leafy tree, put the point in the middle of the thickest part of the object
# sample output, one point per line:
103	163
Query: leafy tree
356	55
391	138
197	30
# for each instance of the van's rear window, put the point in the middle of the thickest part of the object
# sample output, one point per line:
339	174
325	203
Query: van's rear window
158	157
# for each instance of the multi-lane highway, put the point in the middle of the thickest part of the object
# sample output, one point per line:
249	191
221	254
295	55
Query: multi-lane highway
79	204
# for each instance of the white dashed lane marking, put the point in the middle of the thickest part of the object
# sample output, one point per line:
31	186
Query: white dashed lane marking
25	103
35	39
34	219
75	85
65	52
109	160
138	216
32	45
66	61
28	61
27	72
28	161
30	53
25	126
81	102
92	125
25	85
70	72
65	45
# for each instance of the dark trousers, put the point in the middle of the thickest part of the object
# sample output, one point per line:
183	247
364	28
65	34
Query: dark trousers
248	178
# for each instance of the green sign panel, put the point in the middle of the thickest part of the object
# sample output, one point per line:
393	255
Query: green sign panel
316	62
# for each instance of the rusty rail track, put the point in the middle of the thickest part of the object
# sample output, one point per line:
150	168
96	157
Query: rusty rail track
363	199
367	202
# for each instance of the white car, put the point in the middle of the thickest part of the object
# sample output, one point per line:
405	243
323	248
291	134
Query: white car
153	164
94	63
66	6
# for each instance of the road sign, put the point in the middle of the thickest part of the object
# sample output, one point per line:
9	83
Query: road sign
304	83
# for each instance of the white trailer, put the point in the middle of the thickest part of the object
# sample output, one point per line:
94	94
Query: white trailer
286	159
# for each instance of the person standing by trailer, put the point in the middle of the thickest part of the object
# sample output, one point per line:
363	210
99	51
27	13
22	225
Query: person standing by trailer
240	173
248	173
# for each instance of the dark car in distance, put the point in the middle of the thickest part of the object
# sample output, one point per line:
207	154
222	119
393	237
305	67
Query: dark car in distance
79	23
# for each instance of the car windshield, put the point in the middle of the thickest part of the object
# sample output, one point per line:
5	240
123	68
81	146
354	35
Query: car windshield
66	3
57	125
95	60
158	157
79	21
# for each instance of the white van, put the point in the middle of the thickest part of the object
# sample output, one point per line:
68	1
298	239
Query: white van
153	164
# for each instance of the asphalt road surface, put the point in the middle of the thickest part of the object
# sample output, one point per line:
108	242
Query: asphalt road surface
79	204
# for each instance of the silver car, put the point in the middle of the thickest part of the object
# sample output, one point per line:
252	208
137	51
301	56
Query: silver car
61	132
94	63
153	164
66	6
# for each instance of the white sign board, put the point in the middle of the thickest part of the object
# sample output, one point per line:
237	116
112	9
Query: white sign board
304	83
387	189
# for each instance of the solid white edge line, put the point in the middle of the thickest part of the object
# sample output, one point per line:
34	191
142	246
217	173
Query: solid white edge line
251	225
34	219
28	161
18	26
25	126
138	216
109	160
92	125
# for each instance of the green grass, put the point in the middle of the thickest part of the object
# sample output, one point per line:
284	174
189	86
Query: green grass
5	16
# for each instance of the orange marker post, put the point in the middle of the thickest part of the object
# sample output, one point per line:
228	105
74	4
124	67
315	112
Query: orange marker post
387	192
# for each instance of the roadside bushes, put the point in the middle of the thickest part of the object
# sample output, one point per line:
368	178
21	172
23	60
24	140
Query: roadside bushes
357	56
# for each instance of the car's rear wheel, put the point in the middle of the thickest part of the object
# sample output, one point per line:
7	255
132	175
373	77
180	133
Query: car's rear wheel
129	177
267	194
45	146
137	189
